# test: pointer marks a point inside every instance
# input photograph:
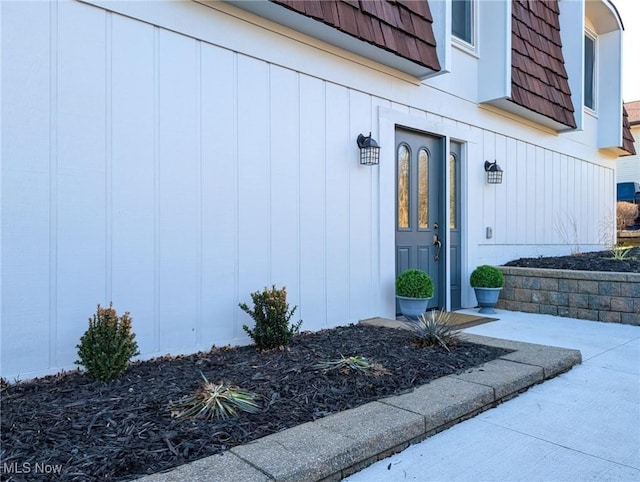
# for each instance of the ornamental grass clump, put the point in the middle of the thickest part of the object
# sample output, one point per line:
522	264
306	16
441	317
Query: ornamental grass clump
352	364
271	315
621	253
212	401
434	329
108	344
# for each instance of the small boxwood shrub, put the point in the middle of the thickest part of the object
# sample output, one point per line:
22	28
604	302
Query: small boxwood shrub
271	314
108	344
486	276
414	283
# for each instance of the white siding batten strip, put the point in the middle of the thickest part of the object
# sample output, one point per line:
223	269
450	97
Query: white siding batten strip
237	324
108	108
299	196
199	201
53	184
374	216
156	188
269	155
325	260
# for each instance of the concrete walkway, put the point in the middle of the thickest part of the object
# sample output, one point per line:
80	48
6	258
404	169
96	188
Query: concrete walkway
582	425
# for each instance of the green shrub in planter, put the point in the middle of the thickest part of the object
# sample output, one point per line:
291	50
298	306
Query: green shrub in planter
414	283
486	276
108	344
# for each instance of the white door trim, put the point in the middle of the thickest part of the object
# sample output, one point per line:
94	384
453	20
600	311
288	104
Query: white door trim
389	120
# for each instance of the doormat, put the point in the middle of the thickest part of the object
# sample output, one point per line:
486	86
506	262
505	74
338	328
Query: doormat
461	320
458	320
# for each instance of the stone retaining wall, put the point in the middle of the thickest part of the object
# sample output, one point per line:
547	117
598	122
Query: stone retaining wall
589	295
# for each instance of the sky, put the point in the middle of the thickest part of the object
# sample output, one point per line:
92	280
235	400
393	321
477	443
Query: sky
630	13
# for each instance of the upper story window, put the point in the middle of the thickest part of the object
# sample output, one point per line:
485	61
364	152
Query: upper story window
590	71
462	20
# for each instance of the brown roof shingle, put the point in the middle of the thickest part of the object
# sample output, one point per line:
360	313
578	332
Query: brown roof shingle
403	27
627	137
539	80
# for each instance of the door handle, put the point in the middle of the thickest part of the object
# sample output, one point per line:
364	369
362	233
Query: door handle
438	244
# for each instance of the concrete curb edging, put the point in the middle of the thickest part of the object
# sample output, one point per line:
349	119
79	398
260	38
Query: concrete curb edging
333	447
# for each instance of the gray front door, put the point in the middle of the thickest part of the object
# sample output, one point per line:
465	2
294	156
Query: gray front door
420	220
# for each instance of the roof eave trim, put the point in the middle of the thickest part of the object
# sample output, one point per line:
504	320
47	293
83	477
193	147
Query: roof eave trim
619	151
508	105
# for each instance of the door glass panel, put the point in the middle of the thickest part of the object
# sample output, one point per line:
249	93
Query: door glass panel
453	169
423	188
403	187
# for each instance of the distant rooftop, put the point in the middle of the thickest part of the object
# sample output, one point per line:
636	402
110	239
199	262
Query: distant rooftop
633	109
627	137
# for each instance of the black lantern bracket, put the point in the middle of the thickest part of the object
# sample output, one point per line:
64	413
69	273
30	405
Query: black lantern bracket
494	172
369	150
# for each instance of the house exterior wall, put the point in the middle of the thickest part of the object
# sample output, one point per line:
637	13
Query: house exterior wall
174	158
628	167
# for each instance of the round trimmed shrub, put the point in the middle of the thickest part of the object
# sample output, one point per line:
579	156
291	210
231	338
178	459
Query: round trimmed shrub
414	283
486	276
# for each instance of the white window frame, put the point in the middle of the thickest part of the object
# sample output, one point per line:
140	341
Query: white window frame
459	42
594	37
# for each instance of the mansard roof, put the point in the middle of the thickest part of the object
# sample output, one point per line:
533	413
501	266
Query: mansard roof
403	27
539	80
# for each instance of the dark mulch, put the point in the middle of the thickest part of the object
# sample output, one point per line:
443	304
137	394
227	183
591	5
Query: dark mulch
122	429
593	261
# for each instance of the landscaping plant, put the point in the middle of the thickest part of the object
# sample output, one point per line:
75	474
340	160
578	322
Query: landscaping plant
414	283
486	276
566	227
626	214
352	364
108	344
434	330
212	401
271	315
621	252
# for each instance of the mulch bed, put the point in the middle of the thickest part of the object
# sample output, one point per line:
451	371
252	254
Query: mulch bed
122	429
593	261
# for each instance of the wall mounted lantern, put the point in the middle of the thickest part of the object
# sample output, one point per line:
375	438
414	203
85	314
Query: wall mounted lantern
494	172
369	150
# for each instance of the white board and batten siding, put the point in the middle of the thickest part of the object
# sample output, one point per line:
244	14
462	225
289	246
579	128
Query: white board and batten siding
175	175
